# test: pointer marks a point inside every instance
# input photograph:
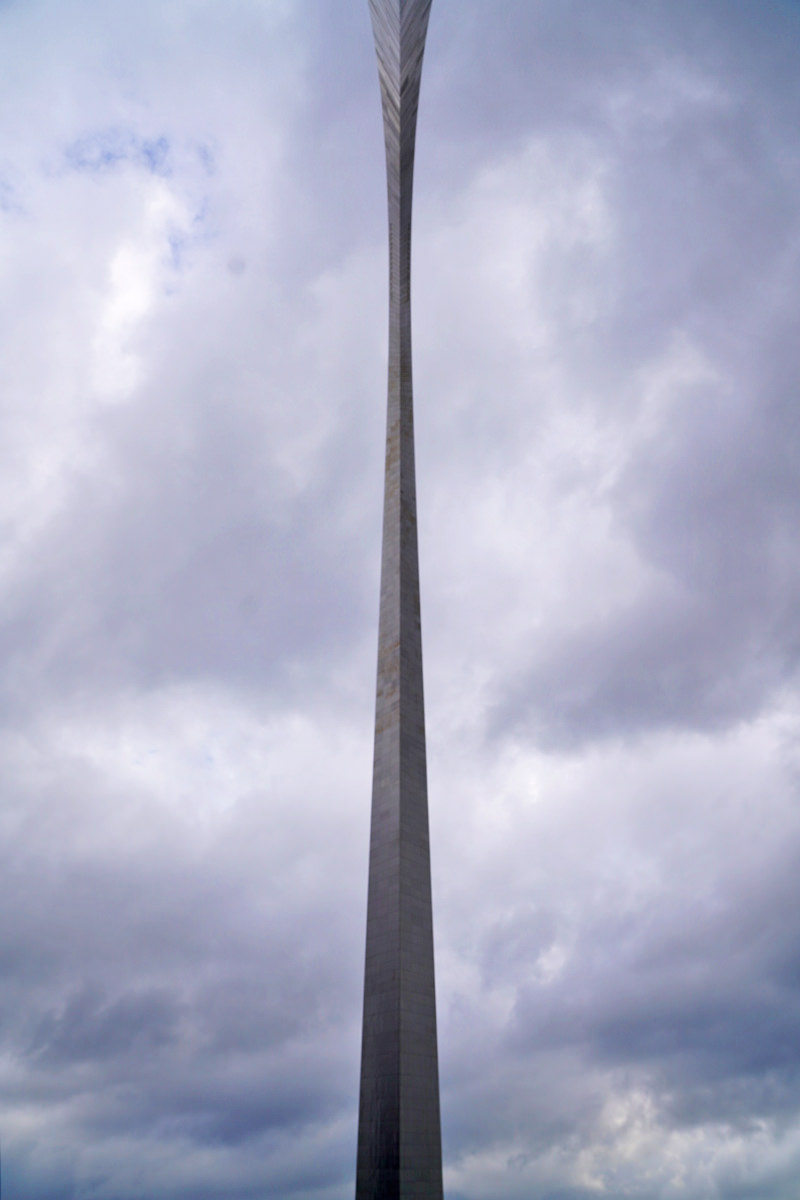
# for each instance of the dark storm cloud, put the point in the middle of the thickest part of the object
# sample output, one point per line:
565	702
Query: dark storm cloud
153	994
88	1027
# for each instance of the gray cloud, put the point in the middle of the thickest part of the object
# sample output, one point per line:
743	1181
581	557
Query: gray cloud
605	275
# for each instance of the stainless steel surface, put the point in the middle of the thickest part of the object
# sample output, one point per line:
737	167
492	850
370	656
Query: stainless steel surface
399	1138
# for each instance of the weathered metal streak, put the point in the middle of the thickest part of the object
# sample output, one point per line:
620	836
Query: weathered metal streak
399	1138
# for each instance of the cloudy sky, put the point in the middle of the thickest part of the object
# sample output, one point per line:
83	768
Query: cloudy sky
607	356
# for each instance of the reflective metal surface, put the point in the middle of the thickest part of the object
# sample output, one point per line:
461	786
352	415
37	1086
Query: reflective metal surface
399	1138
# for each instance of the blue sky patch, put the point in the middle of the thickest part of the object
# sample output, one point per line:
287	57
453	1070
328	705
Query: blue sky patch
106	149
